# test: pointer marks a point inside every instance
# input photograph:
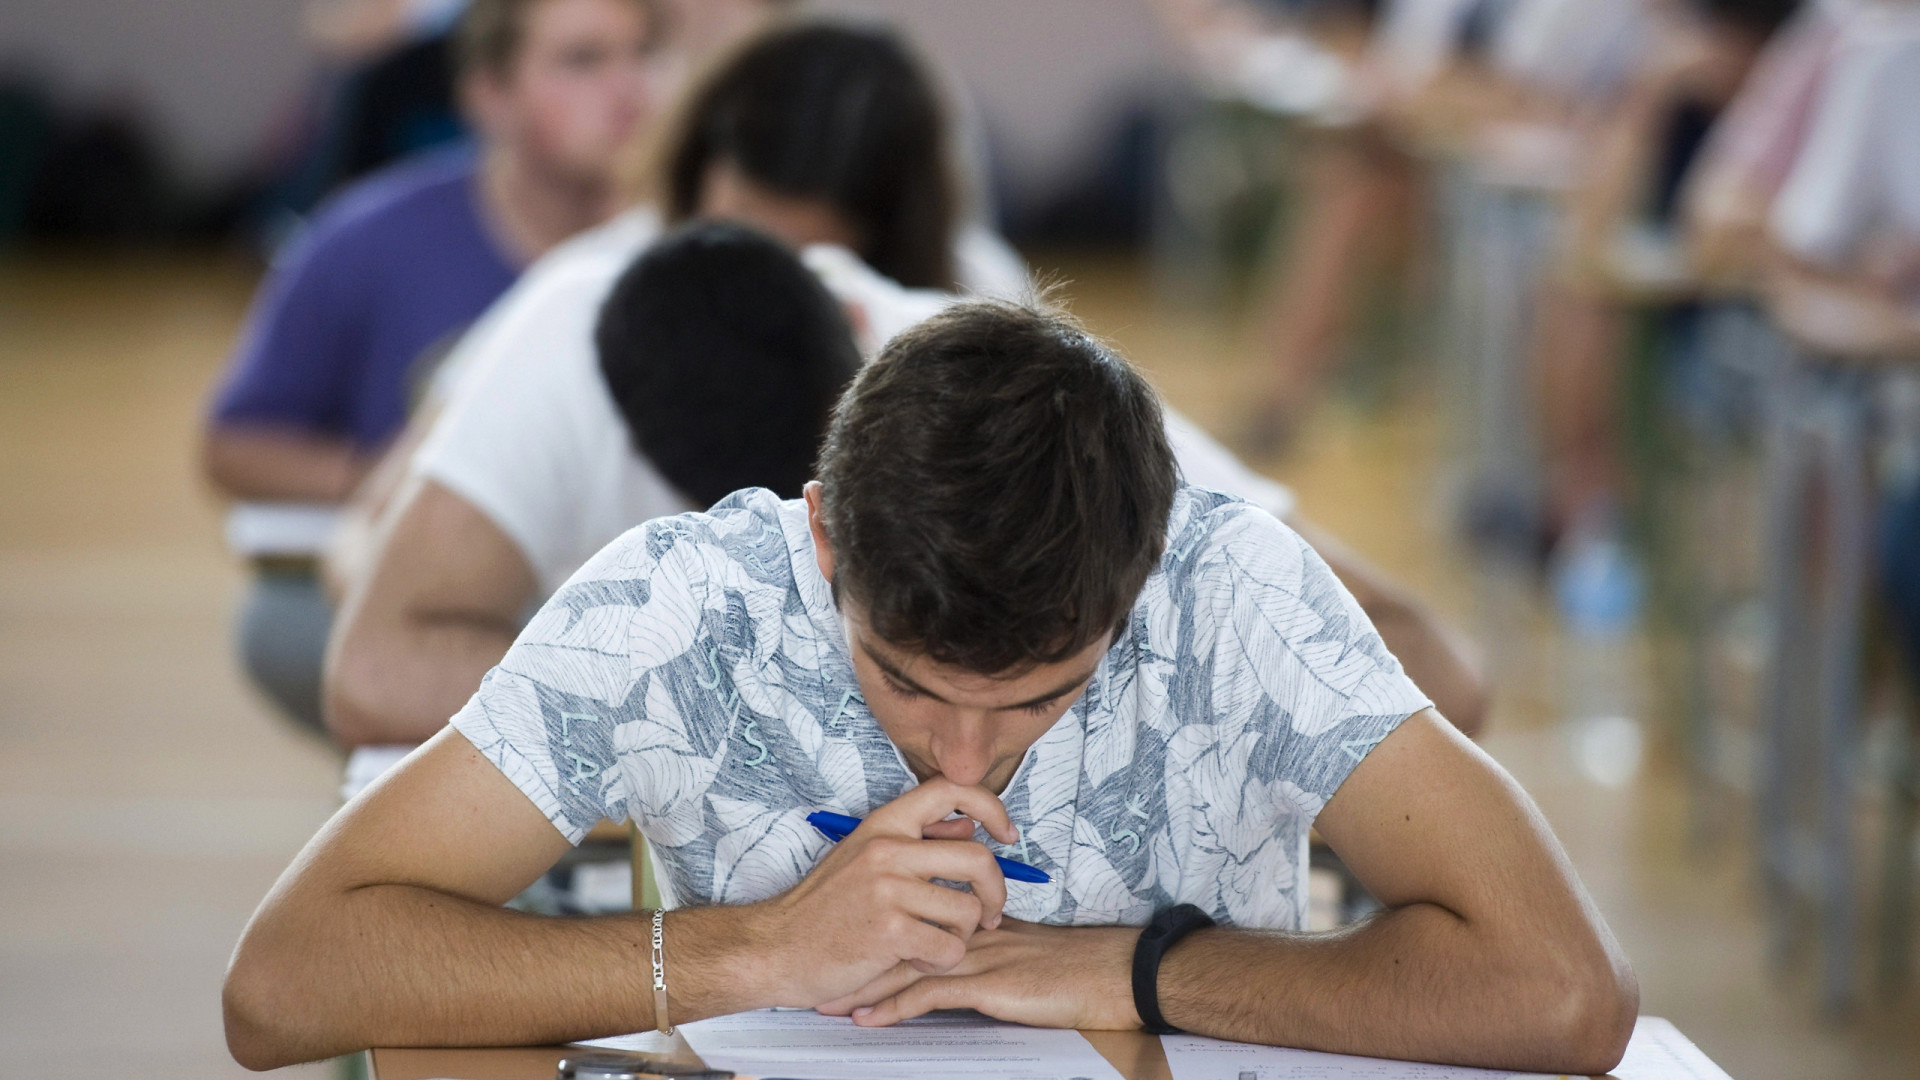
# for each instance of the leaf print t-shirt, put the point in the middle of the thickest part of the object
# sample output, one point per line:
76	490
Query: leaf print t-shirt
695	677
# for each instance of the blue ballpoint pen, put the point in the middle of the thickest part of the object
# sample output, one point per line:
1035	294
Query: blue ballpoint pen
835	827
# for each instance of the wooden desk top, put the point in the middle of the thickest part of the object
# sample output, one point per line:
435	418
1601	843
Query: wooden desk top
1135	1054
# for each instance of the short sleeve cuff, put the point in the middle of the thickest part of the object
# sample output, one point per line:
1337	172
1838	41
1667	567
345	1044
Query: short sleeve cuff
535	779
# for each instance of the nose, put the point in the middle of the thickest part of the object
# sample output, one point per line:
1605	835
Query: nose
963	747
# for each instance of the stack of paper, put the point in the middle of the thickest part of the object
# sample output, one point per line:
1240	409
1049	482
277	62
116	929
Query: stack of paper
960	1045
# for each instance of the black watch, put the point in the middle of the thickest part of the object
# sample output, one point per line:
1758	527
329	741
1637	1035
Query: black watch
1166	929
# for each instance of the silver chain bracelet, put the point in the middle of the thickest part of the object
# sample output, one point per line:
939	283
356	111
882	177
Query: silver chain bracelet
660	974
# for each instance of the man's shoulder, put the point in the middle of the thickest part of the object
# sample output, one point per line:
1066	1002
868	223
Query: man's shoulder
401	196
616	241
538	337
1204	523
748	530
1224	553
556	302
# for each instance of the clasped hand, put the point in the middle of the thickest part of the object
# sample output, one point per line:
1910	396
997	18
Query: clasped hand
873	937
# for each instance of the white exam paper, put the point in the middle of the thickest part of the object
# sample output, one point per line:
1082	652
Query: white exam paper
957	1045
1657	1051
1194	1057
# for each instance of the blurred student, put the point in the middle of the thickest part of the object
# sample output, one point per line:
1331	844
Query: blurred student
1845	231
1850	207
1435	77
1362	188
531	469
1644	139
1753	147
815	133
397	266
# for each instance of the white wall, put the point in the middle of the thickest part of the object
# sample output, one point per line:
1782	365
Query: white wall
214	75
210	75
1046	75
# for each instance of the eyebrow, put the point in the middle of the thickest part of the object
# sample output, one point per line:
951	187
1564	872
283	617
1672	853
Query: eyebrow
899	676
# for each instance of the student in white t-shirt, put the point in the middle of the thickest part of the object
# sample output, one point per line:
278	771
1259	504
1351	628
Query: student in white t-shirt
1851	205
815	132
1753	146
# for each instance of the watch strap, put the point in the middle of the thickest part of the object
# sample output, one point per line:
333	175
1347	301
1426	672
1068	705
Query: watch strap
1161	934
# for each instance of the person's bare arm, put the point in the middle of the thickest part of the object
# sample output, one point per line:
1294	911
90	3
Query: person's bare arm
1438	658
437	610
387	930
277	464
1490	952
1838	312
350	554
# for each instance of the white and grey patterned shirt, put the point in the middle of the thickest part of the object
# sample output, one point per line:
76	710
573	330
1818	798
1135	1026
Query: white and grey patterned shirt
695	677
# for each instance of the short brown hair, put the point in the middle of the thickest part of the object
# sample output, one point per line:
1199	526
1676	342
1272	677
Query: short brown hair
490	32
996	488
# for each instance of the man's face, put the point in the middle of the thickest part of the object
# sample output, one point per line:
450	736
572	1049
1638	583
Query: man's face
948	721
578	91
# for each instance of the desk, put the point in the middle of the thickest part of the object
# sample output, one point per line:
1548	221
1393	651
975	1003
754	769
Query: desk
1136	1054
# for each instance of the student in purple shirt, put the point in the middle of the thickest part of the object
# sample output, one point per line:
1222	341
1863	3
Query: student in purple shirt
391	271
386	274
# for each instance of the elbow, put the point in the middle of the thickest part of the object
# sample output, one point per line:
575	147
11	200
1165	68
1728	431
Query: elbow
1439	659
1462	691
349	691
256	1036
1467	701
1591	1030
218	466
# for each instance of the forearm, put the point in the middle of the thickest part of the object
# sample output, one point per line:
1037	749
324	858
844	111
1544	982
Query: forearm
351	949
1418	983
280	465
398	965
402	680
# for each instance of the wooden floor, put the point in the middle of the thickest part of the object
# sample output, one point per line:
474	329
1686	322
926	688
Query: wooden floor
147	799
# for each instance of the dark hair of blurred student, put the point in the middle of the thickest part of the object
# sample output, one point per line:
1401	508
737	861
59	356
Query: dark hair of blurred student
724	355
823	113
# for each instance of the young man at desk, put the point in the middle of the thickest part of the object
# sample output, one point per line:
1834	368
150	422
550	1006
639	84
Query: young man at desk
996	602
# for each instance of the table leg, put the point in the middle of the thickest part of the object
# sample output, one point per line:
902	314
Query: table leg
1786	548
1848	557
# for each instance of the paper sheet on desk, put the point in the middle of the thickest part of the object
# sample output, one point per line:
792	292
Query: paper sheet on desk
1657	1051
939	1046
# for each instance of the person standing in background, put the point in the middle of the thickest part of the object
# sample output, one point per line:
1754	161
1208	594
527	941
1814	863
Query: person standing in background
393	269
